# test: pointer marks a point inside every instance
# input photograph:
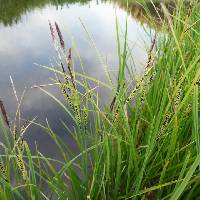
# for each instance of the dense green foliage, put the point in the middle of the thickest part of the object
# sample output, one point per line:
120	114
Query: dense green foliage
11	11
146	146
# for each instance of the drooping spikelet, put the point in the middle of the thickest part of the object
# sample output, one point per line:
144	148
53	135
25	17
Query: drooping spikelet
85	118
21	144
3	170
142	98
19	158
64	88
116	114
77	114
165	123
145	80
147	84
21	165
178	97
141	83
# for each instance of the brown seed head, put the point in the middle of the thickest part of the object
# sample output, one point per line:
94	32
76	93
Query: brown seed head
4	114
62	43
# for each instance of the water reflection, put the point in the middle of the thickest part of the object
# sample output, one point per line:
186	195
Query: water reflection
28	41
150	13
13	11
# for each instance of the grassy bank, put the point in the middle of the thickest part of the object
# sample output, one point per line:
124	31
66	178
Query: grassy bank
143	145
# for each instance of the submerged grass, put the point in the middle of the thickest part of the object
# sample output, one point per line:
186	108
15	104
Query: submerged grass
149	149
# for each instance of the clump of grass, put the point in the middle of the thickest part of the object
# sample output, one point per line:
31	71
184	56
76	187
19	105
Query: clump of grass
145	145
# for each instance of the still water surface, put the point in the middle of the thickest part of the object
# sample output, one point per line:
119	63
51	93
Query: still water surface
25	40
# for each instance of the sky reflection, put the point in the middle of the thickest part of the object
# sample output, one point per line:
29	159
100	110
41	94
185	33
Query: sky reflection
29	42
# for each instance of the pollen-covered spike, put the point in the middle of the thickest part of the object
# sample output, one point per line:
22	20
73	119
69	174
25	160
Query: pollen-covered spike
3	170
21	166
85	118
165	123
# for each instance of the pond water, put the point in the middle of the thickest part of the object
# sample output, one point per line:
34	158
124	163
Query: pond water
25	40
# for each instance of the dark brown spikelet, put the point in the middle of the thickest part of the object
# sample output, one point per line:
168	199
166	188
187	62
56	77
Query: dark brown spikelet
150	56
113	104
69	66
64	72
62	43
151	195
52	31
3	111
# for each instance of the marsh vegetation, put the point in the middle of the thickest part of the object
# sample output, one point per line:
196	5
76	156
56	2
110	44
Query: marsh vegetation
142	144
